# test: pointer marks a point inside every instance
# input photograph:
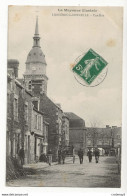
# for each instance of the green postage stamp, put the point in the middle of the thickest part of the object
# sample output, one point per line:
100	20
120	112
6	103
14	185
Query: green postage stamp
90	66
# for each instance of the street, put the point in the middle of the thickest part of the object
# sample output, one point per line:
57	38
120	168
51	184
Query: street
103	174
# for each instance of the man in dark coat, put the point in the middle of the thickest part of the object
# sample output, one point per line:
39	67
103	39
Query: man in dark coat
80	154
89	154
59	156
97	154
21	155
63	155
49	155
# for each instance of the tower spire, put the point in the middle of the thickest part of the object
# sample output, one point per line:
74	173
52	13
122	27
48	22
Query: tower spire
36	27
36	37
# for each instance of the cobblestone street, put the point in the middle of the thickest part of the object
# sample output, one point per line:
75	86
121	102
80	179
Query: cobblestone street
103	174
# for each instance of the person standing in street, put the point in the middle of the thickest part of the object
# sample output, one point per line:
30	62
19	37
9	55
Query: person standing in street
89	154
80	154
50	157
21	155
97	154
59	156
63	155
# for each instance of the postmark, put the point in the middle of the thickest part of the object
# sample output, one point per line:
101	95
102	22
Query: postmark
90	69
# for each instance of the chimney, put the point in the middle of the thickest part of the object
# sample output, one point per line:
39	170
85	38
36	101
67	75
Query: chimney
114	126
107	126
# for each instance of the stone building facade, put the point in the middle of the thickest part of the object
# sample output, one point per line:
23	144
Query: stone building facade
18	117
76	131
21	113
37	131
107	139
54	116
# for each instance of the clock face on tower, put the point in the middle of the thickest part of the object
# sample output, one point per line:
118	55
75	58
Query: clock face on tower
33	68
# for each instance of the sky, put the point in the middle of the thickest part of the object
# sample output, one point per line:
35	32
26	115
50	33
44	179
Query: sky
63	39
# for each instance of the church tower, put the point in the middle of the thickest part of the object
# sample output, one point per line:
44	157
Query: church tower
35	75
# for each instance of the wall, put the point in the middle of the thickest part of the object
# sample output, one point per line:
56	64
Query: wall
77	138
53	115
18	130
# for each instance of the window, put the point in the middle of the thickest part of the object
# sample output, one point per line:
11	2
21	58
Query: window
99	142
15	108
29	85
18	142
35	121
43	86
39	122
60	126
26	113
89	142
45	133
89	134
106	142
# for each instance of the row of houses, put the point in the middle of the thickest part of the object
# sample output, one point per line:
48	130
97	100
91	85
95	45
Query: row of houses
38	124
107	139
35	122
26	125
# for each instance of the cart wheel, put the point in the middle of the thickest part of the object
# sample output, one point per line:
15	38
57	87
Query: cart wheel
73	159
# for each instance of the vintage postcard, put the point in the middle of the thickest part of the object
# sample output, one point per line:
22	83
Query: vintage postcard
64	96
